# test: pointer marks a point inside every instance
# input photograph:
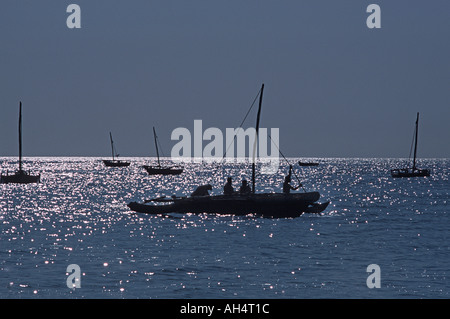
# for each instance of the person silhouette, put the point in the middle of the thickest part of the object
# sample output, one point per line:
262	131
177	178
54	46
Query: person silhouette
245	188
228	188
287	187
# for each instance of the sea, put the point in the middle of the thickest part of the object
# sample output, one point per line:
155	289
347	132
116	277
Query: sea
72	235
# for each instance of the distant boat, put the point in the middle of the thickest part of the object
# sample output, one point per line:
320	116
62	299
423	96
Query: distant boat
161	170
20	176
308	164
412	171
114	162
272	205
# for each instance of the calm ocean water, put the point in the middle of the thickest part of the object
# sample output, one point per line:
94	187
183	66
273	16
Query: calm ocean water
78	215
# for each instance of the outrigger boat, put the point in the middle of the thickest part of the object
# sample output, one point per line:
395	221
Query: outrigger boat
160	170
272	205
114	162
20	177
412	171
268	205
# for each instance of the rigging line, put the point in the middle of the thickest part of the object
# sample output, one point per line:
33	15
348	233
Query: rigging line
242	123
410	150
298	179
234	137
115	151
160	147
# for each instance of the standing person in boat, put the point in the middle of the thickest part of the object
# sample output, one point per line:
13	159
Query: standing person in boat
245	188
228	188
287	183
202	190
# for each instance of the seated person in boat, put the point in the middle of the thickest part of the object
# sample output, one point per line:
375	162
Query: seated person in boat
245	188
228	188
287	183
202	190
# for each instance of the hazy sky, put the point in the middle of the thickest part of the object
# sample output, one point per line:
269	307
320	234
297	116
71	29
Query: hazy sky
334	87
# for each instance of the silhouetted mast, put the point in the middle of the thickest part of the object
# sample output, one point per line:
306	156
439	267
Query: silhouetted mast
415	145
112	145
256	138
156	144
20	137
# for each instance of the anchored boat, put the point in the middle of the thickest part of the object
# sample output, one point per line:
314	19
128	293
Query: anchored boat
308	164
412	171
20	176
161	170
114	162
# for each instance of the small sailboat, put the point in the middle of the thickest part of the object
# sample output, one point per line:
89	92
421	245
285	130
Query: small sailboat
114	162
161	170
20	176
412	171
308	164
273	205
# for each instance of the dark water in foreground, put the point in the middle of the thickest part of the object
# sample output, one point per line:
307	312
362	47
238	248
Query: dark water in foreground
78	215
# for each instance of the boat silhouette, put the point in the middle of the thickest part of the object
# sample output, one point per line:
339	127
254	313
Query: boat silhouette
272	205
308	164
412	171
20	176
158	169
114	162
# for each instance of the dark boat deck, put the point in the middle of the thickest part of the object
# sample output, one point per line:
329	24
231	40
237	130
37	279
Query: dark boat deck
268	205
20	177
159	170
116	163
408	172
308	164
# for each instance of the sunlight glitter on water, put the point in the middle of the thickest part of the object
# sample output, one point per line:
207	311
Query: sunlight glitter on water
78	214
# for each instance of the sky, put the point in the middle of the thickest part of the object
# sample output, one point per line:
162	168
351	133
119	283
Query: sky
333	86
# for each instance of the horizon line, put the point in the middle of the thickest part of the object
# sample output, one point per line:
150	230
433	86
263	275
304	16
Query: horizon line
219	158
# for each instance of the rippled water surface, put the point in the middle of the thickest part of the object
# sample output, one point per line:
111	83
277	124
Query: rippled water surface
78	215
